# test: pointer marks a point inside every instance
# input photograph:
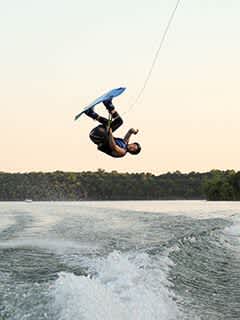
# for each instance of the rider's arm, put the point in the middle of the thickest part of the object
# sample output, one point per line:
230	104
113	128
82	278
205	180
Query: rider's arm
112	144
129	133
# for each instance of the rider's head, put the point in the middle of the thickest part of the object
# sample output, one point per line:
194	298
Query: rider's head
134	148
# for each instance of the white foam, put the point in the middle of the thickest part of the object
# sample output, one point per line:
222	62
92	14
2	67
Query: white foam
125	286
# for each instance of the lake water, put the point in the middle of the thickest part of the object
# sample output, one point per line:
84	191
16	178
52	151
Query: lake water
130	260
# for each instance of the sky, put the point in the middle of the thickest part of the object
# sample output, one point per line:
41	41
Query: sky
56	56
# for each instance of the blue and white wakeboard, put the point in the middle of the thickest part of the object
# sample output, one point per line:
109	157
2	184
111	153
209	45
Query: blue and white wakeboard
107	96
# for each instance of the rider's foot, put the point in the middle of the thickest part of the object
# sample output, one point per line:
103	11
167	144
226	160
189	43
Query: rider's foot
91	113
109	106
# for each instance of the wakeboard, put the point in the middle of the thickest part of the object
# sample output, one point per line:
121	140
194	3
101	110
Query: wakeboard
107	96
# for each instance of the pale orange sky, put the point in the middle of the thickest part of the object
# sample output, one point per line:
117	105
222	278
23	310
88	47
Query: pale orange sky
57	56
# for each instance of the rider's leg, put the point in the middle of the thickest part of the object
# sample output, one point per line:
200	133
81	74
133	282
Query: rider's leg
93	115
118	121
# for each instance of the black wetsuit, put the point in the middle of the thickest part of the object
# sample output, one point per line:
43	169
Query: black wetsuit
99	135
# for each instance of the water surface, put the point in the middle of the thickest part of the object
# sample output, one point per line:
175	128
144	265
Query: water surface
141	260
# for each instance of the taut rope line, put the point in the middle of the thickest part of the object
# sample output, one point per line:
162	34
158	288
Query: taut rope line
155	57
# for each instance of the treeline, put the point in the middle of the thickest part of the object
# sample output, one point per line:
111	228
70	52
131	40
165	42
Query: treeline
223	185
102	185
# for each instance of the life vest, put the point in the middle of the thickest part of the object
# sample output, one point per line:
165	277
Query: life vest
104	147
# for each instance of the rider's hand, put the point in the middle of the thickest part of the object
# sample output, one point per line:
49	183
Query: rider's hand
134	131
